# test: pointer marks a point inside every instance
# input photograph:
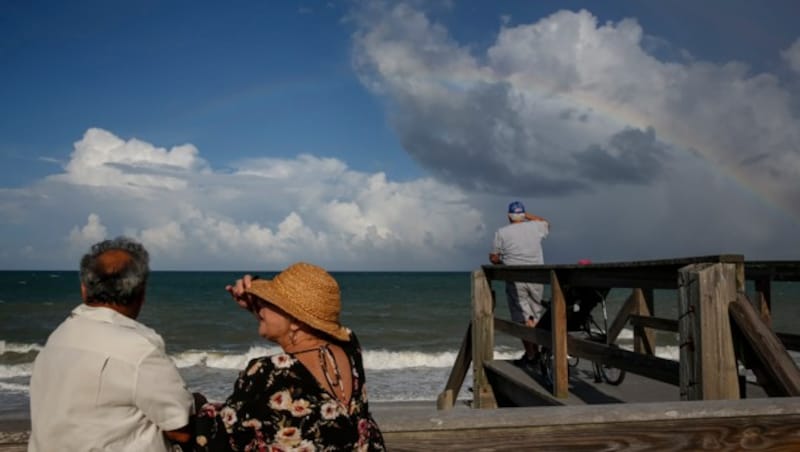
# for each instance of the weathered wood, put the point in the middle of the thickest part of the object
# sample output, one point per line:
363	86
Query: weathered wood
775	361
513	387
655	274
660	369
643	339
482	339
708	344
558	320
759	424
708	364
772	270
448	397
764	299
656	323
629	307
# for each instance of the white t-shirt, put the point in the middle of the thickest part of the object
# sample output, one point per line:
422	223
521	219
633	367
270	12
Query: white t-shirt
521	243
104	382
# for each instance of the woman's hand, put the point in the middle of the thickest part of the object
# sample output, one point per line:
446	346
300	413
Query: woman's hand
237	291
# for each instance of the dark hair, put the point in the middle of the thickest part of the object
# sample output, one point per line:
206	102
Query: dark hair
115	271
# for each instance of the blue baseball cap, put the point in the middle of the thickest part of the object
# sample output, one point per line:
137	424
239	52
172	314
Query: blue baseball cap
516	207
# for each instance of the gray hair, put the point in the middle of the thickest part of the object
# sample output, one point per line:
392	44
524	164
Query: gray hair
115	278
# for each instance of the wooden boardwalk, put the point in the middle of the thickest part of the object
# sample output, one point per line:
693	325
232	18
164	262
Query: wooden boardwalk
701	401
755	424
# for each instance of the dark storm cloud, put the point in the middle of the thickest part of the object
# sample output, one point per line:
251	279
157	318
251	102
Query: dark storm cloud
632	157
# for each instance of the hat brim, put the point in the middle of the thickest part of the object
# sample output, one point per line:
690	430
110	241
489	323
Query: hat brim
267	291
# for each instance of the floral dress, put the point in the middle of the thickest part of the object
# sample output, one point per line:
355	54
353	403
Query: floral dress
278	405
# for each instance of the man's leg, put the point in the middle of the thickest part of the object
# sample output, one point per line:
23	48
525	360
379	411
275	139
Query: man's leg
530	299
522	311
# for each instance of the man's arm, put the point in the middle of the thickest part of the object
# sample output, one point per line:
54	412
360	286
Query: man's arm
181	436
531	217
184	434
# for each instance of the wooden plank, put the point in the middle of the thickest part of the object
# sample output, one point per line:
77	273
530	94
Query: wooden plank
773	270
650	304
621	319
513	387
656	323
655	274
687	331
447	398
760	424
535	335
558	321
775	361
708	364
660	369
763	299
643	339
482	339
776	433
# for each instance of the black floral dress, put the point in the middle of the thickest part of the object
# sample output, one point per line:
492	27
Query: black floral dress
278	405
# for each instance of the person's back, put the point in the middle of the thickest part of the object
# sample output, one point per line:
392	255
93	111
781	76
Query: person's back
521	243
103	380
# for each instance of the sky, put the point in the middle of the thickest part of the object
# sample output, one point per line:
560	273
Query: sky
371	135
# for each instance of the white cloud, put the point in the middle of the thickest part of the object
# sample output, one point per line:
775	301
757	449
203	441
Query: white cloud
92	232
102	159
792	56
567	105
266	213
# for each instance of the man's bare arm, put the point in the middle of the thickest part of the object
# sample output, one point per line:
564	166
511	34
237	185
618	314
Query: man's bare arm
182	435
531	217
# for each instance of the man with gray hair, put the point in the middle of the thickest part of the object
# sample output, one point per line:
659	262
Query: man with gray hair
103	381
520	243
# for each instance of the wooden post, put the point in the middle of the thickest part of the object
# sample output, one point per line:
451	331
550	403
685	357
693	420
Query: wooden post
643	338
558	320
628	308
708	367
482	339
448	397
763	300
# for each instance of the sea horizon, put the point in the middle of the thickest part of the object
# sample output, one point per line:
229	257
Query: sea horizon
410	325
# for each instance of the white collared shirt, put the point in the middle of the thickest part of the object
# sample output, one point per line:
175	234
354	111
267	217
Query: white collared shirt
104	382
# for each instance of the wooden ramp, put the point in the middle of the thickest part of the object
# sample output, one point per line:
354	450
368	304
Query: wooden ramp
515	387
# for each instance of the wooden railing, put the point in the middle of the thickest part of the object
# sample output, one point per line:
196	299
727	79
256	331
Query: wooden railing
710	289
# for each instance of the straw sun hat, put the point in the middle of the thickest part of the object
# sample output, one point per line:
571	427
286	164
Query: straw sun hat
309	294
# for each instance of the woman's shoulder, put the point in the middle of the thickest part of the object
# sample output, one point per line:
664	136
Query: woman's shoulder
269	363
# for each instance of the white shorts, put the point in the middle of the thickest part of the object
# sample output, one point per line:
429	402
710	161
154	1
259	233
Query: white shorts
525	301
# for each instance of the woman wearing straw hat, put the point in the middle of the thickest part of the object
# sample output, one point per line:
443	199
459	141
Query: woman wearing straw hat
311	396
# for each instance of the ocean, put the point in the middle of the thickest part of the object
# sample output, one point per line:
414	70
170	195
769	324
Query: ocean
410	326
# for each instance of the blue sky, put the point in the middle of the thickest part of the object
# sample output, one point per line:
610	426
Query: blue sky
391	135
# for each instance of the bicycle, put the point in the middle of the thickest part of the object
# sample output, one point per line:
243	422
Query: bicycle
581	301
